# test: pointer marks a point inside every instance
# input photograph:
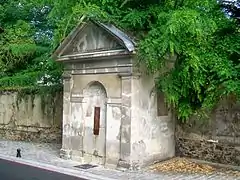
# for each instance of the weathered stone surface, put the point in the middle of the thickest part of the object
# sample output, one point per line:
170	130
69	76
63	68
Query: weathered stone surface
152	135
223	126
35	134
102	75
91	38
209	151
31	118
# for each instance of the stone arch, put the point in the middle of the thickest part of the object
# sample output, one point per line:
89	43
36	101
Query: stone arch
95	84
94	94
95	97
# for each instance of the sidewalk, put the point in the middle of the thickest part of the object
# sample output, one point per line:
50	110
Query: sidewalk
46	156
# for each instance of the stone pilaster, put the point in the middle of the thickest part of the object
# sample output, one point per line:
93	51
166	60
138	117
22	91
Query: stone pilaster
136	116
125	130
113	133
65	152
77	130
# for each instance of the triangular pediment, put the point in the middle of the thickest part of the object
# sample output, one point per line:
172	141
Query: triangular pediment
93	37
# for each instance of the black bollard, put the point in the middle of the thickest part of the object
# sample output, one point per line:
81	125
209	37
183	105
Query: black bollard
19	153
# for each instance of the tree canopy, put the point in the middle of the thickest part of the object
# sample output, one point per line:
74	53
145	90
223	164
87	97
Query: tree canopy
202	35
25	45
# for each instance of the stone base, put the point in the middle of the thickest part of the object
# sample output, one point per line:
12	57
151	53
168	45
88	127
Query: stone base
80	157
71	154
65	154
122	164
133	165
76	156
88	158
110	166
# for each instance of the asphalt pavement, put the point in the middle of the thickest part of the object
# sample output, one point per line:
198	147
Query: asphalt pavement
41	161
10	170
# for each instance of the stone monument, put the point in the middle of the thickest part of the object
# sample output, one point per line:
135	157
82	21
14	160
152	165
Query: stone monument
112	114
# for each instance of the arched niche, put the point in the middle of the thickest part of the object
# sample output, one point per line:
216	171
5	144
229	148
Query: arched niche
158	105
94	109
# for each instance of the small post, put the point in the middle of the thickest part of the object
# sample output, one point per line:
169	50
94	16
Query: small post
19	153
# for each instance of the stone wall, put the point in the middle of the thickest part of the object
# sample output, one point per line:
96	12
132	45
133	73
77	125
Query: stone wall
30	117
152	133
215	139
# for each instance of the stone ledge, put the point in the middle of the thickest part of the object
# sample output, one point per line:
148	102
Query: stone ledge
114	101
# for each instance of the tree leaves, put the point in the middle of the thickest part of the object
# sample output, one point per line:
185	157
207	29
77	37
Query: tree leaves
26	37
204	71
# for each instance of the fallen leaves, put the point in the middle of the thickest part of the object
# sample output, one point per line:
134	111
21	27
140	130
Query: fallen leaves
183	165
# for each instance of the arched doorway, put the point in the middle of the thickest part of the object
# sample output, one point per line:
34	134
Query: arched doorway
94	139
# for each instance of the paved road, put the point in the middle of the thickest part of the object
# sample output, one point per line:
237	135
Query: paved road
15	171
48	155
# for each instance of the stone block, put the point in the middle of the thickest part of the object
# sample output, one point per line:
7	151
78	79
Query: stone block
125	151
77	156
77	142
66	142
88	141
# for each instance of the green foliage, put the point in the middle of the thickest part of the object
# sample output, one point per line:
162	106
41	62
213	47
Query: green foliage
204	71
25	46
